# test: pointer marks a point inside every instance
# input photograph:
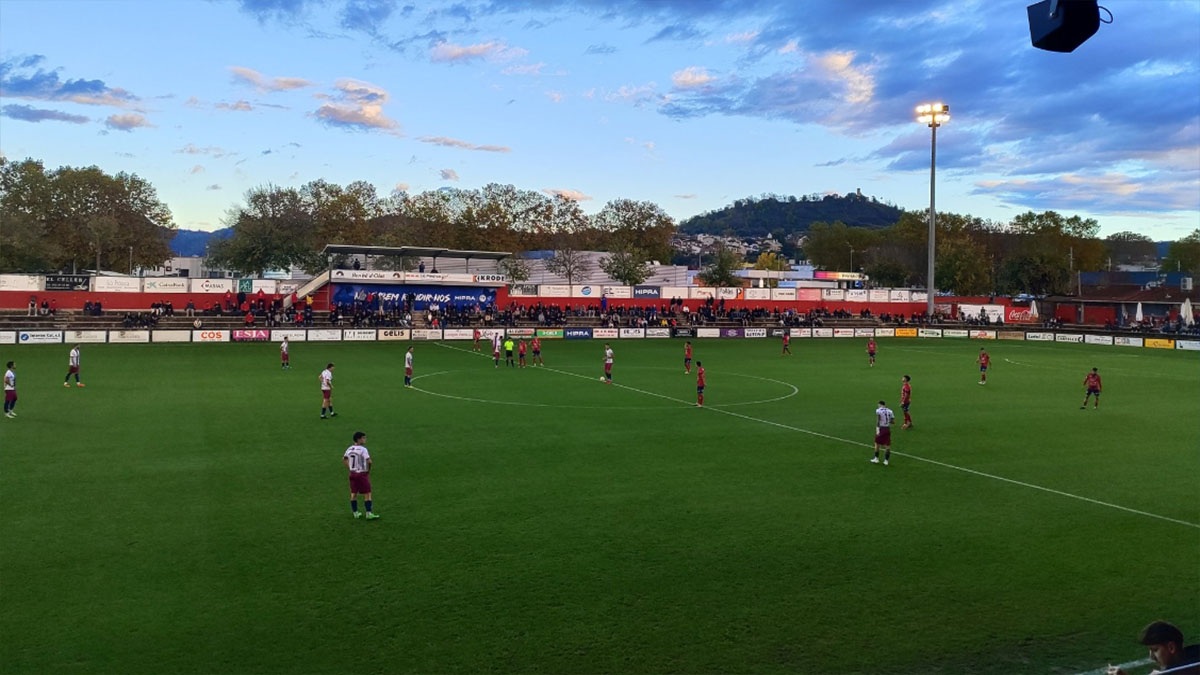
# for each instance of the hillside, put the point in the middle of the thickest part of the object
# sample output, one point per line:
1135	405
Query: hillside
756	217
193	242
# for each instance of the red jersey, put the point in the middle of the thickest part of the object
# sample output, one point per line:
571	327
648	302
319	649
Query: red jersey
906	393
477	335
1092	381
537	344
687	351
786	338
521	349
700	377
870	345
984	359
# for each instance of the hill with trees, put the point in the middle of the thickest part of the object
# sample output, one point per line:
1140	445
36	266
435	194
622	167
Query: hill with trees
780	216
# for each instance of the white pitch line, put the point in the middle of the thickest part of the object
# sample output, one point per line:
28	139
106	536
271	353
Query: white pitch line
894	452
1128	664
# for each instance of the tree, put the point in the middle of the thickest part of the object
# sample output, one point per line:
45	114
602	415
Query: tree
771	262
720	272
1184	255
274	230
625	225
516	267
568	262
630	267
1131	247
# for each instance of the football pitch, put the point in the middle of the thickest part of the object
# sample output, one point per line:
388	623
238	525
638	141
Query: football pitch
187	511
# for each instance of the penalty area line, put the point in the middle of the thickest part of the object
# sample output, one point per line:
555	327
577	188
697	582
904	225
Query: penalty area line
847	441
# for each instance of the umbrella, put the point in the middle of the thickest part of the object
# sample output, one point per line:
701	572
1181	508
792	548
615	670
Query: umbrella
1033	309
1185	312
1137	316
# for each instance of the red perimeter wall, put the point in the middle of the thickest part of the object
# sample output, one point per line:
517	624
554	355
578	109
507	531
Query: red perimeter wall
130	301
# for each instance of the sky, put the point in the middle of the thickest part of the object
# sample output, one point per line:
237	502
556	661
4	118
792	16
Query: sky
690	104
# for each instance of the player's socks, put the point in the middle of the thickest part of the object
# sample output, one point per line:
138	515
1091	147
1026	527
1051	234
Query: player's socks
354	506
322	413
887	455
367	503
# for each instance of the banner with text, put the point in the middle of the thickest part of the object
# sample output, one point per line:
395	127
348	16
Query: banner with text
210	336
171	336
71	282
394	334
81	336
359	334
117	285
165	285
292	335
577	333
129	336
40	337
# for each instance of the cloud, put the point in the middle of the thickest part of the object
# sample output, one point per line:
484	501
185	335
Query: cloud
264	84
214	186
448	174
274	10
357	105
27	113
126	122
266	152
692	76
194	102
446	52
573	195
527	69
43	85
241	106
556	96
212	151
196	169
637	95
403	187
455	143
677	31
1106	193
366	15
687	196
743	37
600	49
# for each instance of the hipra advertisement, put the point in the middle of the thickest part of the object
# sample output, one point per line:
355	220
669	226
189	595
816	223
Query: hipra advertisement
458	296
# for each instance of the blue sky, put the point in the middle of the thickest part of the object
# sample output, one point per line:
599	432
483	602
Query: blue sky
687	104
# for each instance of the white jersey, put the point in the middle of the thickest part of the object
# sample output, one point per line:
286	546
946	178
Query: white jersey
357	456
326	379
884	417
10	380
608	355
74	359
408	360
283	347
496	343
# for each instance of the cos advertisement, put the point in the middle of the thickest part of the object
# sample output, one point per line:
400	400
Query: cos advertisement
423	296
210	336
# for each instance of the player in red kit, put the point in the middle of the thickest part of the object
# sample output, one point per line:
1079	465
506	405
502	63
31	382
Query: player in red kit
699	384
871	352
1092	382
984	362
787	339
521	353
475	347
905	401
687	357
536	346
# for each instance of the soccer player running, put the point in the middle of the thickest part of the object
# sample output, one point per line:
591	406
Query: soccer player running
608	360
408	359
73	368
984	361
871	352
687	358
326	380
357	461
284	363
905	401
787	340
699	384
521	353
10	390
536	346
508	357
1092	382
883	433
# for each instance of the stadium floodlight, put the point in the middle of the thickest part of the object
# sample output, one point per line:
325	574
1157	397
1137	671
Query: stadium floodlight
934	115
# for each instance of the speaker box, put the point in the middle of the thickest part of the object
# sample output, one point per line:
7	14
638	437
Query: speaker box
1074	21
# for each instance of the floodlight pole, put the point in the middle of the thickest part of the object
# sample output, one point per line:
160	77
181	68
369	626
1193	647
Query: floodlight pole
932	218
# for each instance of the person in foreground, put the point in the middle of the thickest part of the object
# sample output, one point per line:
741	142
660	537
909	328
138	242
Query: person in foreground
1165	642
357	461
883	433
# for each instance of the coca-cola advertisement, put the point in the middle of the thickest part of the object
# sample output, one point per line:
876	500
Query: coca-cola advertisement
1019	315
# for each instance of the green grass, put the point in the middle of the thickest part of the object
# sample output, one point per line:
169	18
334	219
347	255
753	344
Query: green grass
186	512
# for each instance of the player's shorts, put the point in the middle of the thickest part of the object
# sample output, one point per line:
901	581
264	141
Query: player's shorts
10	395
608	367
699	390
408	372
904	406
1093	390
283	357
326	393
508	353
871	354
983	369
495	355
360	483
687	362
537	352
883	436
73	370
